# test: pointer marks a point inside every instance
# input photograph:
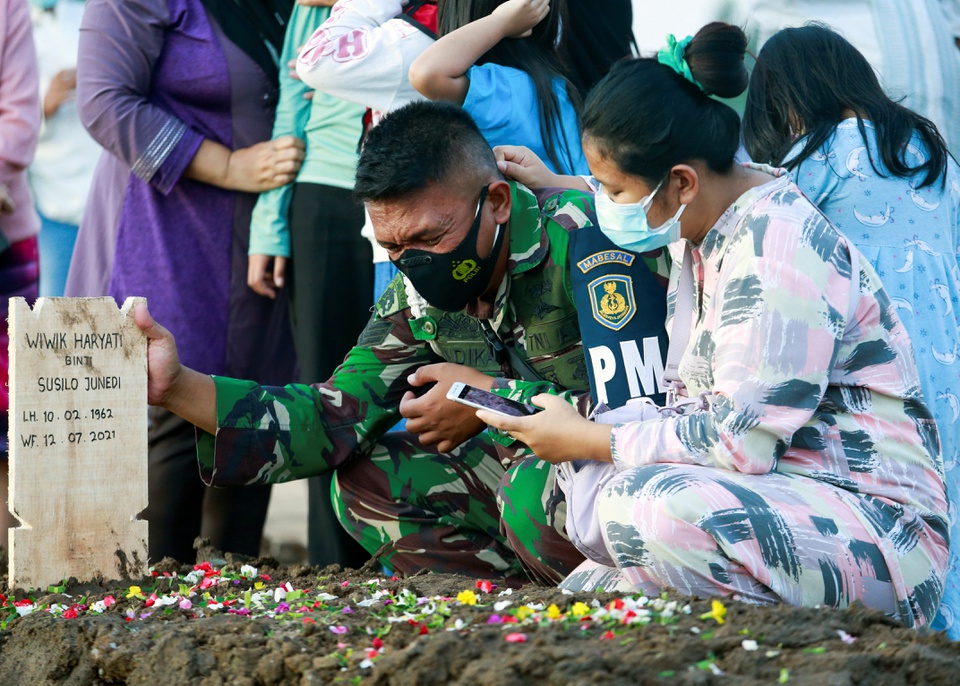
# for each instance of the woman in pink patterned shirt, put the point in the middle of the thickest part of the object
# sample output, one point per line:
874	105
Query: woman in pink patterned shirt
811	474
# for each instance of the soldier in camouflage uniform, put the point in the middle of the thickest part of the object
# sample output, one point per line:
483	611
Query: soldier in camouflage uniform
433	497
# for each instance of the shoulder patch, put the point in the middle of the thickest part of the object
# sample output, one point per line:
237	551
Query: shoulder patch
571	209
393	299
375	332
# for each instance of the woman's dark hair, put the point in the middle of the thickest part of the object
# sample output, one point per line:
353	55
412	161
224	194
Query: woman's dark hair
646	118
596	39
812	78
538	55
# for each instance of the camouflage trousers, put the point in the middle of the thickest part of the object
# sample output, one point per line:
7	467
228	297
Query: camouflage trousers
460	512
764	539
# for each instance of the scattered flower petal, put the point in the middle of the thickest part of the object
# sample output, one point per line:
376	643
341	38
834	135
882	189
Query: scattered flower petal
845	637
467	597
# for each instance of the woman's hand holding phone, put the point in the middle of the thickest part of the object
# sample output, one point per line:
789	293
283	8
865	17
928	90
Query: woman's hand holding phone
557	434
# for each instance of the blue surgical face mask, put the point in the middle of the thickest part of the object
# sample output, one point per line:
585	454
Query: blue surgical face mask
45	4
626	224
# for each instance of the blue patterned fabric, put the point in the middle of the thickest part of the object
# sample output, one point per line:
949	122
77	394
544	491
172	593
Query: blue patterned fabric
910	236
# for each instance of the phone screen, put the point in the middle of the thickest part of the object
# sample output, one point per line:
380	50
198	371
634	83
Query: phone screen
491	401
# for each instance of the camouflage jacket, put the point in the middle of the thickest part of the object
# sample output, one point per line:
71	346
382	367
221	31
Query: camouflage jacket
273	434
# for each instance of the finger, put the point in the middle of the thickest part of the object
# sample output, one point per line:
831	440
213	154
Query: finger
144	320
264	288
256	268
429	438
296	142
548	401
279	270
447	446
280	180
409	408
500	421
509	152
511	170
422	376
288	152
291	165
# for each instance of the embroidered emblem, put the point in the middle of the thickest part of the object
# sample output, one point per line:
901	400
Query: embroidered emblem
611	299
605	257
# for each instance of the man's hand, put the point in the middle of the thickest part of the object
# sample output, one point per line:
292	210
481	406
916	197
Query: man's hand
438	420
264	280
170	385
518	17
265	166
163	362
317	3
558	434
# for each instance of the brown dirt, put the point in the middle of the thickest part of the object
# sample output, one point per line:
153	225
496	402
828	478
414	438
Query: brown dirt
455	644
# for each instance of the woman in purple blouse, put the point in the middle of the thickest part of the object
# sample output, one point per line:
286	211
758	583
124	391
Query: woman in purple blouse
181	95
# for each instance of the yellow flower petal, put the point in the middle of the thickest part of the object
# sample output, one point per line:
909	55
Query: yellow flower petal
580	609
467	597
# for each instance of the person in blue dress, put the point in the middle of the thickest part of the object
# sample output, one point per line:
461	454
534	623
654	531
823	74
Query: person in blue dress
500	60
882	174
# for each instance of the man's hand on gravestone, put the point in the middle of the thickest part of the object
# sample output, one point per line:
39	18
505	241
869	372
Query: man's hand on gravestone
170	385
438	420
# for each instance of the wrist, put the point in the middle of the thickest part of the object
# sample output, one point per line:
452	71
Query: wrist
496	26
229	173
600	442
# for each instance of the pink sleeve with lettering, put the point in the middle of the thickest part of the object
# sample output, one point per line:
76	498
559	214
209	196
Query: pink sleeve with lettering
362	54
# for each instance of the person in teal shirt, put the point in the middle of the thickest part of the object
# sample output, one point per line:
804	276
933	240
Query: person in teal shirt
305	244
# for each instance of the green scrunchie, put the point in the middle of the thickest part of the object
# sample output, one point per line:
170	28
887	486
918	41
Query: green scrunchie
672	56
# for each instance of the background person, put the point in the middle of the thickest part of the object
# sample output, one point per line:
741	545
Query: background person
181	94
361	54
912	45
19	223
882	175
501	62
305	238
62	169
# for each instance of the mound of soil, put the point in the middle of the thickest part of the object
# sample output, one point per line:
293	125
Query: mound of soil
263	623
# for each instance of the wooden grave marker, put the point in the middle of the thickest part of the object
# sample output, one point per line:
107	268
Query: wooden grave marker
78	441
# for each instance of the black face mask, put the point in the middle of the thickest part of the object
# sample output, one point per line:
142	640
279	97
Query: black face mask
450	280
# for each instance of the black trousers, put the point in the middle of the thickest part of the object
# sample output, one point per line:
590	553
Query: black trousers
182	507
330	282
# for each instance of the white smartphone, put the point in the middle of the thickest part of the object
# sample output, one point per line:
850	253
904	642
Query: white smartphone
485	400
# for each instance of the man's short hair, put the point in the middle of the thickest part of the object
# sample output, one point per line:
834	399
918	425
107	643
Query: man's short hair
420	144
